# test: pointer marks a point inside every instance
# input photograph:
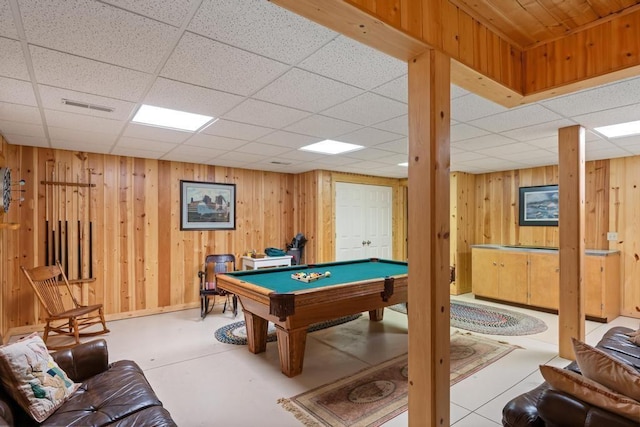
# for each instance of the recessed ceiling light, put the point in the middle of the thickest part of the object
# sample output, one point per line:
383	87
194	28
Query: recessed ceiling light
167	118
329	146
621	129
405	164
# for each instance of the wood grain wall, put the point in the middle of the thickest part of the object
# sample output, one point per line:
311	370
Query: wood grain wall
624	218
143	262
496	206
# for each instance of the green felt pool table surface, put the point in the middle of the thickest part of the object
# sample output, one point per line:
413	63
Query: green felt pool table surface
279	279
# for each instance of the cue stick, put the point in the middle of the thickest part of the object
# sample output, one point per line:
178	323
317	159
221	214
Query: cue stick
46	217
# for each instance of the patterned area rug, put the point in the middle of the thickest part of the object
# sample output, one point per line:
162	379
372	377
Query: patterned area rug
375	395
489	320
236	333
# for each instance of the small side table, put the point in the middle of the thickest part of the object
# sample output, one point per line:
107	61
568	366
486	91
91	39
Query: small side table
249	263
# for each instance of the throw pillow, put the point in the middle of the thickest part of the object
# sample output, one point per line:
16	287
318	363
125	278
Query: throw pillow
591	392
605	369
31	376
635	339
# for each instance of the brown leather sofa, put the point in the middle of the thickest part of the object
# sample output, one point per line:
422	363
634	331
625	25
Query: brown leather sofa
116	394
545	407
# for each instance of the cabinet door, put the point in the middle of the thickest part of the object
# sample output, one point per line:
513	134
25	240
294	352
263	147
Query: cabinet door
544	280
593	296
484	272
513	277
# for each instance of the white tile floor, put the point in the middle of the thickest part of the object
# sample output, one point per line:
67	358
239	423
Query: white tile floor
203	382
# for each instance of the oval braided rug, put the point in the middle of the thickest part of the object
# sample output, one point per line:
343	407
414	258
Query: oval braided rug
236	333
489	320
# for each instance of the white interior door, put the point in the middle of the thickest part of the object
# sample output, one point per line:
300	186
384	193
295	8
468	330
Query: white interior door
363	221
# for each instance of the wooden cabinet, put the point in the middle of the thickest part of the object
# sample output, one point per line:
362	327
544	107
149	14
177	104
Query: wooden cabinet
532	277
544	280
500	273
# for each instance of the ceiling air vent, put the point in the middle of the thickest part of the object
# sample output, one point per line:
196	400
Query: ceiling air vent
280	163
88	106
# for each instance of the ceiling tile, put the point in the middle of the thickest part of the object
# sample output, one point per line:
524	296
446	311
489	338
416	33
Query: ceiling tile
538	131
364	166
52	97
351	62
236	130
319	92
467	156
464	131
244	23
63	119
609	117
7	27
193	99
79	145
367	109
607	153
17	92
304	156
84	75
397	89
20	113
31	141
470	107
89	139
609	96
399	125
398	146
322	126
98	31
621	142
516	118
457	91
136	152
25	129
520	148
144	144
192	154
289	139
207	63
368	137
367	154
550	142
230	163
13	64
238	156
394	159
263	149
262	113
482	142
155	133
215	142
172	12
536	156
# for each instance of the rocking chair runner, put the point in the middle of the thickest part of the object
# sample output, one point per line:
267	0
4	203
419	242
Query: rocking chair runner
63	320
214	264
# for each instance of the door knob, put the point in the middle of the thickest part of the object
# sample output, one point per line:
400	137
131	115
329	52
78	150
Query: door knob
364	243
368	242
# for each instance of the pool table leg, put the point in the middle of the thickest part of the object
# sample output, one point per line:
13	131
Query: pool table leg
291	345
376	315
256	332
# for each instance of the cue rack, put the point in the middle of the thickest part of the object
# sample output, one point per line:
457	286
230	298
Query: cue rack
68	225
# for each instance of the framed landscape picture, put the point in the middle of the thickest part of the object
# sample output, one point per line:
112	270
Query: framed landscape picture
207	206
539	205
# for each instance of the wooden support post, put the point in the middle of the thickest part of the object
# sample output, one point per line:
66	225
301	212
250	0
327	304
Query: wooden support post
429	123
571	172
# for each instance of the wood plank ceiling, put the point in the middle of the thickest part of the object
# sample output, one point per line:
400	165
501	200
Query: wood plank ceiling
528	22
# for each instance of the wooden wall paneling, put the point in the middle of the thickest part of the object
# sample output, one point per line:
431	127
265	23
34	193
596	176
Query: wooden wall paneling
149	233
450	38
139	275
625	220
165	220
410	19
465	38
625	40
597	204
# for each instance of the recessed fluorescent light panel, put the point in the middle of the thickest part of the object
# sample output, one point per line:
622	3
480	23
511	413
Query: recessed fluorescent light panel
622	129
405	164
167	118
329	146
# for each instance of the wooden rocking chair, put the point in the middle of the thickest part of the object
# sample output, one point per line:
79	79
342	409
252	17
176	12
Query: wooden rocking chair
63	320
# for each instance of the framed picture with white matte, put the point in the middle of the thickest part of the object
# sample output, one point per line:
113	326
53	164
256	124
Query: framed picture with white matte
207	206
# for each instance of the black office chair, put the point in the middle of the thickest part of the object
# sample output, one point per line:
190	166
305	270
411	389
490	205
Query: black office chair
214	264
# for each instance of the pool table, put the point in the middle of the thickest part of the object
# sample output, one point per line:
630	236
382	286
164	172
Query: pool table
272	295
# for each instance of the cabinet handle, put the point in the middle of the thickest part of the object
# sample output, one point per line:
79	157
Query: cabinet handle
558	270
502	264
495	263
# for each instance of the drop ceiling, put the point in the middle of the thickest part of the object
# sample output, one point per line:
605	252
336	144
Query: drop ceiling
274	81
